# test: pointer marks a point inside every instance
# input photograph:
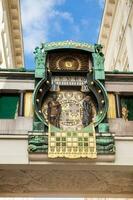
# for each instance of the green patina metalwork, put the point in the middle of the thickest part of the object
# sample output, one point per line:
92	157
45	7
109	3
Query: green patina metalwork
102	114
41	74
68	44
98	71
98	61
103	128
40	59
40	116
97	85
105	144
39	143
98	119
38	126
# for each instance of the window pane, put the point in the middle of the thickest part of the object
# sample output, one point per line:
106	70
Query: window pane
8	106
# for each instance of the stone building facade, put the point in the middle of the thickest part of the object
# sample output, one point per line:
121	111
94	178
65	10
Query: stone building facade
70	69
116	35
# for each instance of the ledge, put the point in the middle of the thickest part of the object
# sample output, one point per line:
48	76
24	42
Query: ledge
44	157
12	136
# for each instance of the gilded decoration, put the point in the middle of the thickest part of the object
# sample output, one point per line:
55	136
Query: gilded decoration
73	109
125	112
72	144
28	108
112	106
65	61
68	63
68	44
70	102
105	143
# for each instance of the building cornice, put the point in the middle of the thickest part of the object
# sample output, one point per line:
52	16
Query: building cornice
23	74
107	21
15	27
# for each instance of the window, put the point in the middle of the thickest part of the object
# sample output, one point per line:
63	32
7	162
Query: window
9	106
127	107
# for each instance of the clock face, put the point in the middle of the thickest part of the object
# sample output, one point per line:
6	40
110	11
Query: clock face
68	63
72	109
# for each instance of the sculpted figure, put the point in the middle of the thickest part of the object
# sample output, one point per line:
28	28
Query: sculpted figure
125	113
87	111
54	111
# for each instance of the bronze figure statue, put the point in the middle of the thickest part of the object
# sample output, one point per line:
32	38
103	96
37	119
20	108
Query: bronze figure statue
54	111
87	111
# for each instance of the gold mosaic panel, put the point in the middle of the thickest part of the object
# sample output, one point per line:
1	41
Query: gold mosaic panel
72	145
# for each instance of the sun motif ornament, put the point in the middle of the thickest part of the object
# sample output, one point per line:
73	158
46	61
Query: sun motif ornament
68	63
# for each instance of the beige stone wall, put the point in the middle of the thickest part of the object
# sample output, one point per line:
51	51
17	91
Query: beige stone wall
108	198
116	35
11	44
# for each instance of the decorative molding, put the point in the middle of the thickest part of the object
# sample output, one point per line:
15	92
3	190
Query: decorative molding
66	181
107	21
44	157
13	32
68	44
16	29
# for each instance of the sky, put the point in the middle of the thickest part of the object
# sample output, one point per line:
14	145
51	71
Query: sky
58	20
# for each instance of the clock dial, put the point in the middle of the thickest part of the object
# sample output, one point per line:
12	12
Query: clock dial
68	63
